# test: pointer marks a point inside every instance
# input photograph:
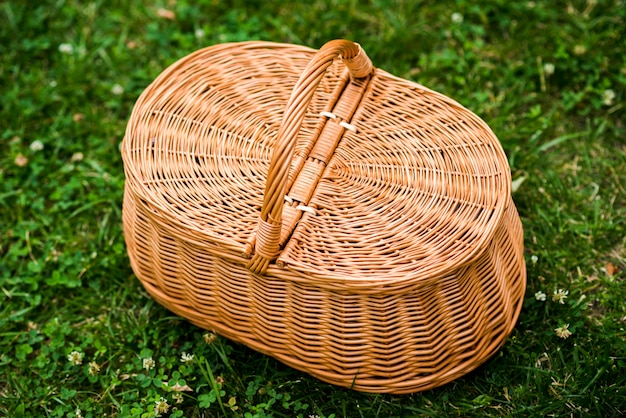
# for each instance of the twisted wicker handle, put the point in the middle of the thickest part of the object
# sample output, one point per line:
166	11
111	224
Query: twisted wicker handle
267	239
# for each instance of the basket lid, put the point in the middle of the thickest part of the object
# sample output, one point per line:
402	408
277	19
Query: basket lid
413	183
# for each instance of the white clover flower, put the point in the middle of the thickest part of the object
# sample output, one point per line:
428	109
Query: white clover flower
52	83
94	368
36	145
66	49
580	49
76	157
560	295
20	160
166	14
209	337
534	259
457	17
148	363
199	33
548	68
75	357
186	358
563	332
117	89
540	296
608	96
161	407
178	397
78	413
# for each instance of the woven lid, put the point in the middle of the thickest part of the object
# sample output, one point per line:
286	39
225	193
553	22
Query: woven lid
413	183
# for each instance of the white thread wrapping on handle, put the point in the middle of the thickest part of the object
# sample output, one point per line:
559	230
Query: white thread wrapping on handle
347	126
328	115
304	208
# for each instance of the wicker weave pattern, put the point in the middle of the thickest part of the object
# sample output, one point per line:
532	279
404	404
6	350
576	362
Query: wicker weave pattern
395	263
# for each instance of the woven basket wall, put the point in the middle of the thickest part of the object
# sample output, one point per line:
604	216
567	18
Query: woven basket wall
352	224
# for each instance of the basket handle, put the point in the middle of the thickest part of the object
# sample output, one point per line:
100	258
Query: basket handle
267	238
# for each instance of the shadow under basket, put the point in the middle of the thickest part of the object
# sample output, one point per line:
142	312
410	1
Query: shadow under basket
354	225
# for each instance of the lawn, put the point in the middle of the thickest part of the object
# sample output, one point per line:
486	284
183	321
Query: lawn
80	337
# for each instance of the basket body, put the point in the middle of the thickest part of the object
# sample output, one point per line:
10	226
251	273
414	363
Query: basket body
400	253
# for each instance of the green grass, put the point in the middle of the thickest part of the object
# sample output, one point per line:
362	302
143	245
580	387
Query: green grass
548	76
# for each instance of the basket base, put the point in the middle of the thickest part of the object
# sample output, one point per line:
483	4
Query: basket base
409	340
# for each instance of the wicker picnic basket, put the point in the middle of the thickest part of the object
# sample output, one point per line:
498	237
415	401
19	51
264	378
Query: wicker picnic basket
352	224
